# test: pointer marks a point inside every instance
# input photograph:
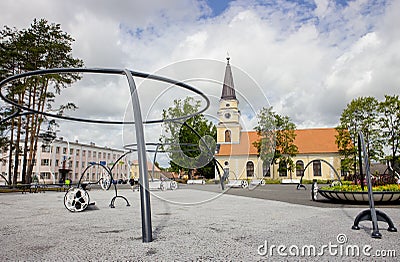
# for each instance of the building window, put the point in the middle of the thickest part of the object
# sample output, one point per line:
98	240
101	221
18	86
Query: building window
89	153
250	169
45	149
58	150
317	168
83	152
228	136
77	152
71	151
266	169
282	168
64	150
45	162
299	168
45	175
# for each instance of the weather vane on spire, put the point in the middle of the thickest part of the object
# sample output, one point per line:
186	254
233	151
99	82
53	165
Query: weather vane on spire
227	56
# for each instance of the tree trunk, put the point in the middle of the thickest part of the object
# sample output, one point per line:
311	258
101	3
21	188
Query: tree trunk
16	155
10	177
33	134
25	155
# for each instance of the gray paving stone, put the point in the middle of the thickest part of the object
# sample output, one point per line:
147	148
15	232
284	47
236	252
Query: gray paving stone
188	225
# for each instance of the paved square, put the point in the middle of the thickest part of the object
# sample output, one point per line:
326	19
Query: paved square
188	225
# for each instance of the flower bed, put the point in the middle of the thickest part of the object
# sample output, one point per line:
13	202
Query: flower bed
354	193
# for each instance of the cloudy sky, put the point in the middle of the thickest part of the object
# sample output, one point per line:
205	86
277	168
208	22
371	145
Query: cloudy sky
306	58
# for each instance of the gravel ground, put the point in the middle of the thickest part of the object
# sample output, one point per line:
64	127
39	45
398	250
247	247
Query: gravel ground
188	225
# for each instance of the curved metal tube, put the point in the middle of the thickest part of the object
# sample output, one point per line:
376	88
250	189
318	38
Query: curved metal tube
326	162
5	179
99	71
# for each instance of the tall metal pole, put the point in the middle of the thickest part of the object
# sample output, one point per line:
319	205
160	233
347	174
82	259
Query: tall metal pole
142	161
374	219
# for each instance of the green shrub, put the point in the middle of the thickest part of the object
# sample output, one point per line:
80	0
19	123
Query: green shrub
357	188
272	181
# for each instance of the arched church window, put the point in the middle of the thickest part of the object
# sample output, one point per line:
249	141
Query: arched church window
282	168
228	136
317	168
250	168
266	169
299	168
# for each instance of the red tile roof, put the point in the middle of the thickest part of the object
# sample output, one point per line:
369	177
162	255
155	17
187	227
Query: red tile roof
308	141
321	140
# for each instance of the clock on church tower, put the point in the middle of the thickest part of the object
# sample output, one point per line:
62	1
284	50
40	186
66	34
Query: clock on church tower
228	128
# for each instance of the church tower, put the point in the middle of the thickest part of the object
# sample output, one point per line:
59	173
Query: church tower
228	128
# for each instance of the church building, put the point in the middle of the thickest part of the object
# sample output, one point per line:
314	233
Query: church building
318	152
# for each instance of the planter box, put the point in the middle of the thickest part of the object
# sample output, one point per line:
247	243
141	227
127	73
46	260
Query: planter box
383	196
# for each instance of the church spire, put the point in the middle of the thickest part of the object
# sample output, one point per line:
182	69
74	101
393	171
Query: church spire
228	89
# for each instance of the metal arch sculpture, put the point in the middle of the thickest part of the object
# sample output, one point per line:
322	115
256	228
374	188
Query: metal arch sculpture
370	214
201	139
23	110
300	185
133	147
143	173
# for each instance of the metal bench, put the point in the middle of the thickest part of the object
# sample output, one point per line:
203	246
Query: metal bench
290	181
237	183
163	185
256	182
195	181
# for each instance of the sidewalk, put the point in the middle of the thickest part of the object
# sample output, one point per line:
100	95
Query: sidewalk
188	225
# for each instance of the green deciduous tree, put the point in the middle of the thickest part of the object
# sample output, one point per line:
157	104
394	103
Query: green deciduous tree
389	122
361	114
186	149
41	46
277	135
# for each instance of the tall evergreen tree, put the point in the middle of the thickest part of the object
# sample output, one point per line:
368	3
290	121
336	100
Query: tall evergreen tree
41	46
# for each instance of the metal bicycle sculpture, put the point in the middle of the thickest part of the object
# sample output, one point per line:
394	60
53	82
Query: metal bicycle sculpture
77	198
143	172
